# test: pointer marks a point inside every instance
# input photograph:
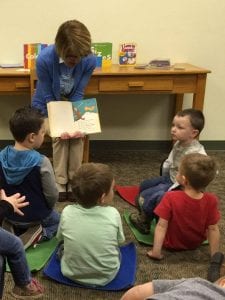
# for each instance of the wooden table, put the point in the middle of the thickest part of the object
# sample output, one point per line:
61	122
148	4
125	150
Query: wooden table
181	79
14	81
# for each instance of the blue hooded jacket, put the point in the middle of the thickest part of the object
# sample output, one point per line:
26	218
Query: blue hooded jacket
16	165
20	173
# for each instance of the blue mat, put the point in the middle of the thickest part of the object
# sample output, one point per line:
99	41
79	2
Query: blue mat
123	280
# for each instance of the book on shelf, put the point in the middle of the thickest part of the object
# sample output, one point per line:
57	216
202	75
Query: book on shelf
30	53
103	53
67	116
127	54
160	63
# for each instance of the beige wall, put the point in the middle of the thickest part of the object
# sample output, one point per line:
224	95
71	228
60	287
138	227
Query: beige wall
182	30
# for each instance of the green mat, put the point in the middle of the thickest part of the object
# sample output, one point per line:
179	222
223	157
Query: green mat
145	238
142	238
37	257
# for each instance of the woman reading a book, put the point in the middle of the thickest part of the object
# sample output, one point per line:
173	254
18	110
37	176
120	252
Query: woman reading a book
63	71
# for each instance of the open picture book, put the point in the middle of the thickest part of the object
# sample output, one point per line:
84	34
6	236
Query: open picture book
66	116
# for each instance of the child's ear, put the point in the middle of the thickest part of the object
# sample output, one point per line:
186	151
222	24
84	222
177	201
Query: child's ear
30	137
184	180
102	199
195	133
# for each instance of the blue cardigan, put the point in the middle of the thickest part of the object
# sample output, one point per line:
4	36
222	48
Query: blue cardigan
48	85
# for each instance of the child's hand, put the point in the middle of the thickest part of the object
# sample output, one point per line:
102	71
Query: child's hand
74	135
154	255
16	200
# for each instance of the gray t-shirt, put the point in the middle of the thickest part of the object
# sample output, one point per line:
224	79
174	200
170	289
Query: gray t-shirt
171	164
178	152
186	289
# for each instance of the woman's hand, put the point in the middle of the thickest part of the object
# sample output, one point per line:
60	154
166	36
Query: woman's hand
16	200
74	135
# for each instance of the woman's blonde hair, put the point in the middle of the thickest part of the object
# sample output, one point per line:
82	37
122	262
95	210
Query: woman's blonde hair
73	38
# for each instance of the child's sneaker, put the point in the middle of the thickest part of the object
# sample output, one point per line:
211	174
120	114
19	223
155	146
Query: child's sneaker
31	236
215	266
34	290
139	201
140	222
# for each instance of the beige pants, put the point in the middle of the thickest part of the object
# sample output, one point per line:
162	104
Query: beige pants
67	157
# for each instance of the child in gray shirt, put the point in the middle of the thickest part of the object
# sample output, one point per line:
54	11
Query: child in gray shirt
185	289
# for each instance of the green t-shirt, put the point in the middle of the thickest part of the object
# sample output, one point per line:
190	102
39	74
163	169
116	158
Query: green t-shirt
91	243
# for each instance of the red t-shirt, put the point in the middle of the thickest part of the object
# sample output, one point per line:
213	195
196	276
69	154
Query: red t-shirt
188	218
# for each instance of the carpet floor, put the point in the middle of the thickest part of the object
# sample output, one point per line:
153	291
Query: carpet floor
131	167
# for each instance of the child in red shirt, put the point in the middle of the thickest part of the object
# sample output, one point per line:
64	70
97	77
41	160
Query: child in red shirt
188	217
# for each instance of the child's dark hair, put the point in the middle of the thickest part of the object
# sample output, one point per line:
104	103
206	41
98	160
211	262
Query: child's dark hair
90	182
24	121
199	169
196	116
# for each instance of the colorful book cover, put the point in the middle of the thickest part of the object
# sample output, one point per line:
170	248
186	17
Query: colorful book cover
31	52
127	54
103	53
66	116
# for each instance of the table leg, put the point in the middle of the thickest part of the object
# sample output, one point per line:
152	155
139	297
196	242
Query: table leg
178	102
198	99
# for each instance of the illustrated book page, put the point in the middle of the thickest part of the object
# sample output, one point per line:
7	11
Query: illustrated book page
66	116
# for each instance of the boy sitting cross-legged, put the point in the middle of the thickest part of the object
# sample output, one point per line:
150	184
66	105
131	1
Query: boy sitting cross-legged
91	229
24	170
